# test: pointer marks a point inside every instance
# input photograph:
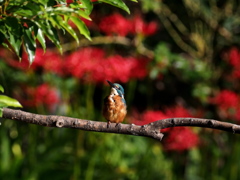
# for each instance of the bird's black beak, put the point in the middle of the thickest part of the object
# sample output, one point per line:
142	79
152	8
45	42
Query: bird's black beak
111	84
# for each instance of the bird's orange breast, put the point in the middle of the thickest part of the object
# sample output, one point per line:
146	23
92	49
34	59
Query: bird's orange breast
114	109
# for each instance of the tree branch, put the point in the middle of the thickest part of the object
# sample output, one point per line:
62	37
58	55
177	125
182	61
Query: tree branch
149	130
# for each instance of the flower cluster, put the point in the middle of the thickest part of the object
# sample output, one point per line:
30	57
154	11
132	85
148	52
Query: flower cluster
92	65
233	58
87	64
228	104
48	61
42	95
178	138
116	24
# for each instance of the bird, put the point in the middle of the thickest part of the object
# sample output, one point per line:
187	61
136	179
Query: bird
115	108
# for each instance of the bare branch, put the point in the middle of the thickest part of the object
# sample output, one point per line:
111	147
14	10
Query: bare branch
149	130
87	125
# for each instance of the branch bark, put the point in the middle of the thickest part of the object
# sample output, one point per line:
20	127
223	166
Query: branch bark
149	130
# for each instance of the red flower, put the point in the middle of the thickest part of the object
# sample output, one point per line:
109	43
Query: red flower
43	95
226	99
236	73
228	104
139	69
80	63
115	24
140	27
180	139
234	57
118	68
177	111
48	61
149	116
46	95
91	64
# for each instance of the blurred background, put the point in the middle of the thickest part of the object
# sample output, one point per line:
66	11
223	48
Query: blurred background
174	59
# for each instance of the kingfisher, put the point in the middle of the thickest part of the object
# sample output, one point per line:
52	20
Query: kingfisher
115	108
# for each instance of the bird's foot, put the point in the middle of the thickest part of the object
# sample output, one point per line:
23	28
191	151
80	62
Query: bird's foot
118	125
108	124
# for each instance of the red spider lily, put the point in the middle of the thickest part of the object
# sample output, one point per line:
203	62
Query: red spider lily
48	61
234	57
141	27
151	116
80	63
225	99
92	65
46	95
115	24
178	138
228	104
118	68
43	95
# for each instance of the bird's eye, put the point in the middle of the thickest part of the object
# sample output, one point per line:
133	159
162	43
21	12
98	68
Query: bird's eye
117	87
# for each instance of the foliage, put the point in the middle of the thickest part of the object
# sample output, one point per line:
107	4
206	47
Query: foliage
23	23
6	101
173	59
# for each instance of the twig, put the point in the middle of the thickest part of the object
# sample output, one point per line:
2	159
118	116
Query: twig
149	130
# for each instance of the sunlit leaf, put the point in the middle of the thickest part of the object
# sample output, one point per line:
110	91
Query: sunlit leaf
41	38
81	27
66	26
2	104
50	32
30	44
88	6
62	10
76	5
15	42
9	101
83	14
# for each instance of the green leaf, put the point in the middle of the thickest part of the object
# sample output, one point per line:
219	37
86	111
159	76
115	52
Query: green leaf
117	3
50	32
30	44
12	31
65	26
9	101
41	38
88	6
12	25
75	5
1	89
15	42
1	112
81	27
62	10
83	14
3	105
